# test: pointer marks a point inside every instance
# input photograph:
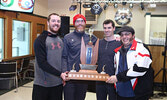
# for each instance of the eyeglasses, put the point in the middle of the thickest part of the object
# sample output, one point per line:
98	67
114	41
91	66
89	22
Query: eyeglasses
125	33
77	21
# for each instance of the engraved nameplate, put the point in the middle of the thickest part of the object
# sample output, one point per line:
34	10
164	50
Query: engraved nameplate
87	76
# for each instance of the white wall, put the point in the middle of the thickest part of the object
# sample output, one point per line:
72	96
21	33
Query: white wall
41	7
62	7
138	18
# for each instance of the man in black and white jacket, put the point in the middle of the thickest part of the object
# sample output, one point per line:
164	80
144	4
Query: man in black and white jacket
133	77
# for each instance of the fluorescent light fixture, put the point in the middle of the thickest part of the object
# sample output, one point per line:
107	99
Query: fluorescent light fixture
151	5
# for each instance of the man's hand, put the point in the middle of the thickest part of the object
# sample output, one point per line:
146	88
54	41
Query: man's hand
117	38
64	77
112	79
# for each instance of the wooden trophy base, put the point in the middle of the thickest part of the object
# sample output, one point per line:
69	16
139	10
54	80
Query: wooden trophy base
90	75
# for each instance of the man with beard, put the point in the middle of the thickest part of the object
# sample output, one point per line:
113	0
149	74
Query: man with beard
106	58
48	52
134	75
75	90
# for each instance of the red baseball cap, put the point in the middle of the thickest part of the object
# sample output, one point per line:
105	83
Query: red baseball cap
78	16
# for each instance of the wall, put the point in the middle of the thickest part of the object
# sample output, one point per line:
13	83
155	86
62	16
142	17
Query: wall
138	18
41	7
61	7
138	22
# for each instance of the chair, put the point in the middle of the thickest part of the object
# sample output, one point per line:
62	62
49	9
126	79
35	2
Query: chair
8	71
24	65
29	72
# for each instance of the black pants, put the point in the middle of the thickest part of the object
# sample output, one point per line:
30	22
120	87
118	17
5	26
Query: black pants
103	89
144	97
75	90
47	93
124	98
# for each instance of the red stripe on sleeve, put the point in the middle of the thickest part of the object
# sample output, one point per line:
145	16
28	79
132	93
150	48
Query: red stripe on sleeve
143	55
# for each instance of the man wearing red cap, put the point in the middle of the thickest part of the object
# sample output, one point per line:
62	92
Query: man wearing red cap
75	90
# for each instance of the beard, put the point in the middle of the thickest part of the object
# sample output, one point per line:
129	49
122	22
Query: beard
80	28
52	28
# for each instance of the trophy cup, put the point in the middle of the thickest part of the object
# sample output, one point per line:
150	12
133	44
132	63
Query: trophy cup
88	57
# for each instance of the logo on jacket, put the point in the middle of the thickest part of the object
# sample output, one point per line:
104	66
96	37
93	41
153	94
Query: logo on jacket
55	45
135	56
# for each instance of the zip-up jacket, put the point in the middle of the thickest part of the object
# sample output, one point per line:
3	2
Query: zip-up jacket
72	48
106	55
139	71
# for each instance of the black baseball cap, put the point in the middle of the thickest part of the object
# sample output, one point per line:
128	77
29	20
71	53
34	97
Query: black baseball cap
126	29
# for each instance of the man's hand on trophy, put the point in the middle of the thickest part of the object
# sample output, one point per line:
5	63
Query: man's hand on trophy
64	77
112	79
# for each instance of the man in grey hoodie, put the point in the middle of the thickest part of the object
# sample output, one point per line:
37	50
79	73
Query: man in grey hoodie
48	84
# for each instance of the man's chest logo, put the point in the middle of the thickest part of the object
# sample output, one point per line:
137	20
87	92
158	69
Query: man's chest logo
55	45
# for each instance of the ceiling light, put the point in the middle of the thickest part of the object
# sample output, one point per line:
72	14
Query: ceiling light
142	6
123	3
72	7
105	6
130	5
87	5
115	5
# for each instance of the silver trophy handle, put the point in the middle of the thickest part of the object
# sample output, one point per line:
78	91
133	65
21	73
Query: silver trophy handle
103	70
73	68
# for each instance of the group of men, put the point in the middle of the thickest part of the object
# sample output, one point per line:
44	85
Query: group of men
127	62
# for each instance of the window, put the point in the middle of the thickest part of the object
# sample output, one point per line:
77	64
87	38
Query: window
158	30
20	38
1	38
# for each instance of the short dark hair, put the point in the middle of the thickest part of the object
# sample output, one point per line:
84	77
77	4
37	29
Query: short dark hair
108	21
51	15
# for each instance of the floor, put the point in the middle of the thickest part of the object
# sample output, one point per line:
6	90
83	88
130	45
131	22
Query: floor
25	93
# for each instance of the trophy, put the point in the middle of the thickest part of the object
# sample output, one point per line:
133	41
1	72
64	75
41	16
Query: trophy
88	57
